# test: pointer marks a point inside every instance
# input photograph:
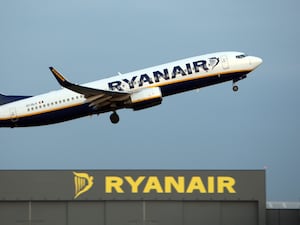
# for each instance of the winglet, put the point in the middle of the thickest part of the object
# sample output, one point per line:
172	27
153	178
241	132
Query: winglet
61	80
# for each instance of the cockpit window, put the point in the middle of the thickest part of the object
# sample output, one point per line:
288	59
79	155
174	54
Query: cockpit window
241	56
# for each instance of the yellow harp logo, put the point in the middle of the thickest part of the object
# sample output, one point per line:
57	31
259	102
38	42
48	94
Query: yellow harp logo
83	182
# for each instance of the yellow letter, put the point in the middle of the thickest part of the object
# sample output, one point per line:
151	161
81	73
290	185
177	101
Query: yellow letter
210	184
177	185
153	184
226	182
196	184
134	184
113	182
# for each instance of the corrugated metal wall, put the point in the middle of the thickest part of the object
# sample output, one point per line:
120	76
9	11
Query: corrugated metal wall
129	213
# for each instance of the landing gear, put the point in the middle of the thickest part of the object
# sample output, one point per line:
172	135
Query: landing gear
114	118
235	88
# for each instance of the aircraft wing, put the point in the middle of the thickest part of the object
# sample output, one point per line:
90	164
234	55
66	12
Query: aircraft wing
97	97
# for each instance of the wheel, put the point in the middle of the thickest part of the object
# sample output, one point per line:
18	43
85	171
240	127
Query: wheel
235	88
114	118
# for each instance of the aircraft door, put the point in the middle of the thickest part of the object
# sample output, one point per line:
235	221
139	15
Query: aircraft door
13	114
224	61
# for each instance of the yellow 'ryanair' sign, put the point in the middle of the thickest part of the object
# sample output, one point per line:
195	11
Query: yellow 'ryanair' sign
157	184
170	184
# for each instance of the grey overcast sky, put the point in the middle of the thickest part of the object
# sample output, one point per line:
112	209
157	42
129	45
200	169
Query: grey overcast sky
214	128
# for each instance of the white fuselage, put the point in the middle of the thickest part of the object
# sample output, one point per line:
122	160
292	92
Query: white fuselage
169	78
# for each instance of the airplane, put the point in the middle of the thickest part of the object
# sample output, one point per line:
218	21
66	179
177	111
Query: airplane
135	90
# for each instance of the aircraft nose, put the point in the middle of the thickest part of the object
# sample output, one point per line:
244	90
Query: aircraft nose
255	61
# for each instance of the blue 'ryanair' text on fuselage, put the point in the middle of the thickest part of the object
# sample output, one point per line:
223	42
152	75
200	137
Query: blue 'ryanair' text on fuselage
158	75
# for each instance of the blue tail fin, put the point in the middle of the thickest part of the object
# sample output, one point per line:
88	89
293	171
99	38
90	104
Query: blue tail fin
8	99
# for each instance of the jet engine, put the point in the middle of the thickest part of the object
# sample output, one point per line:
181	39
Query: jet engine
145	98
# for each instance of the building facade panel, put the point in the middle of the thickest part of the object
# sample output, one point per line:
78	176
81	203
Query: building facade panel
164	212
48	213
196	212
14	212
86	212
234	212
124	212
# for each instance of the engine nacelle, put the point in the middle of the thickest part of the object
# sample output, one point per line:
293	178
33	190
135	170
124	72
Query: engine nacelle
146	98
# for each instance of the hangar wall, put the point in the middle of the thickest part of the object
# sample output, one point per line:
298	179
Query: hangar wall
128	212
132	197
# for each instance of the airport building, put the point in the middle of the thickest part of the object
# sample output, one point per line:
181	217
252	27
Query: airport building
144	197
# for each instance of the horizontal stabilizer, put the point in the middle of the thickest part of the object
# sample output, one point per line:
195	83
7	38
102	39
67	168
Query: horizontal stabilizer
4	99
